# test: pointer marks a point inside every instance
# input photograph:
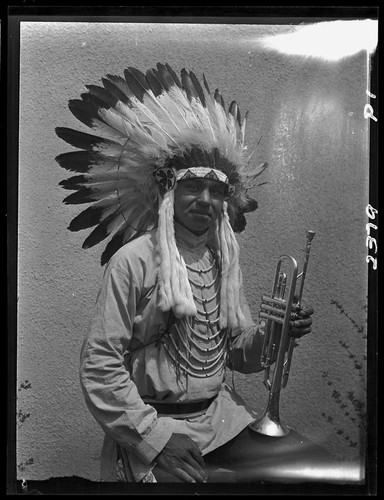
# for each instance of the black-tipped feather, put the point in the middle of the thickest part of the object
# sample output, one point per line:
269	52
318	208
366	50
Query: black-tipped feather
121	84
250	206
188	85
239	223
154	82
83	195
219	98
115	90
206	85
164	77
81	140
79	161
198	88
173	74
86	219
84	111
114	244
100	232
100	97
167	77
94	214
94	102
137	82
72	183
235	112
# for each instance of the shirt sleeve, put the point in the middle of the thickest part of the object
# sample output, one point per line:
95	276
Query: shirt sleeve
111	396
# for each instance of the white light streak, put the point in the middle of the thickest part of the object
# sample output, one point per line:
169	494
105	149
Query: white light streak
330	40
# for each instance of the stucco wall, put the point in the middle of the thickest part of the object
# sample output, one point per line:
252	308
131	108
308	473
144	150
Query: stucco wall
308	114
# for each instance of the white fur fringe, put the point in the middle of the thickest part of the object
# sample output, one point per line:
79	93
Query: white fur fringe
175	289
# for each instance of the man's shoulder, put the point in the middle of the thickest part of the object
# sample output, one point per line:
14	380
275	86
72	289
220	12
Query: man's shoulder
142	248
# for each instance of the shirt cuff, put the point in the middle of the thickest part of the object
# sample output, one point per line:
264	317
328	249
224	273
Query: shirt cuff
154	442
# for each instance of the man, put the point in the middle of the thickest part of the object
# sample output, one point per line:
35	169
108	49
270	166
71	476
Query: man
167	173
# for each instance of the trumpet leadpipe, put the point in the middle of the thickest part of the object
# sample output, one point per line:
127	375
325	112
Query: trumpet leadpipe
287	364
310	235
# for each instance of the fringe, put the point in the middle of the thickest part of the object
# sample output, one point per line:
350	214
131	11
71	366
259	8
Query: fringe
175	289
231	314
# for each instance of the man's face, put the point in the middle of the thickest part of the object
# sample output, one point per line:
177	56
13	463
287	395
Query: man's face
198	203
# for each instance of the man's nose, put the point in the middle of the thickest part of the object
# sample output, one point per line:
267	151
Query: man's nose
205	196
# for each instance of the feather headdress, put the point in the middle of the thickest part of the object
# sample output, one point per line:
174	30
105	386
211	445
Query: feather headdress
145	129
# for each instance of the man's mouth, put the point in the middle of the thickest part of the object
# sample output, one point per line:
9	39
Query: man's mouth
202	214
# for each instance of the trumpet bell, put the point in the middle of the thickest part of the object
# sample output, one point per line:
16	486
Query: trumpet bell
269	426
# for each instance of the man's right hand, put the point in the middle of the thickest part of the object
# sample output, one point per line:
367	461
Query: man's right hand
182	458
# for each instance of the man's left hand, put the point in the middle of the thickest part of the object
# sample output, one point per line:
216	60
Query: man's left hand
301	322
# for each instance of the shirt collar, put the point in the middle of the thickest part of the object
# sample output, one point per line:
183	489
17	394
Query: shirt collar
188	240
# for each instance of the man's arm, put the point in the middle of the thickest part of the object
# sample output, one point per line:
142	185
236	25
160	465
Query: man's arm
111	395
113	398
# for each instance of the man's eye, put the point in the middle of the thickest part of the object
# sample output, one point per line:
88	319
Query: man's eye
193	186
217	191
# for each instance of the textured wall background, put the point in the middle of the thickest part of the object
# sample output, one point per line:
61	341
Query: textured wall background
308	114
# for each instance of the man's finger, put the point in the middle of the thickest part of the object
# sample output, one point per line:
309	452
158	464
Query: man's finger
300	332
301	323
190	473
304	312
183	475
196	454
197	469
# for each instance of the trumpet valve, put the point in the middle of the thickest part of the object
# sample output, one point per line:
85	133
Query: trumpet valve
273	309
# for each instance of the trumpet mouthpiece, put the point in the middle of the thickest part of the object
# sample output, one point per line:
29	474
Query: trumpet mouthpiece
310	235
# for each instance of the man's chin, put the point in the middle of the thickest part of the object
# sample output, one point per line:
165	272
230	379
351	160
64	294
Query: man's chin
197	229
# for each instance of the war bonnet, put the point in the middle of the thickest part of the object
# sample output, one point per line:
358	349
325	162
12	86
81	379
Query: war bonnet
149	131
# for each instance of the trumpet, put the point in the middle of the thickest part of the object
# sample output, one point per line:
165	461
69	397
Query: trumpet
276	313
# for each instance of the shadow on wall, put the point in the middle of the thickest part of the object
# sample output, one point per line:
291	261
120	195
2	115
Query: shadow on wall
351	403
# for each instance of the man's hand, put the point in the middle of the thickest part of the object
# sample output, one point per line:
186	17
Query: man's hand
301	322
181	457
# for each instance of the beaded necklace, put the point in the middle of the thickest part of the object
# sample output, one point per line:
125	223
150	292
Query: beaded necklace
198	346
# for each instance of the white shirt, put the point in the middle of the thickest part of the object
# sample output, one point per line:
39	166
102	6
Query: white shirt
127	317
